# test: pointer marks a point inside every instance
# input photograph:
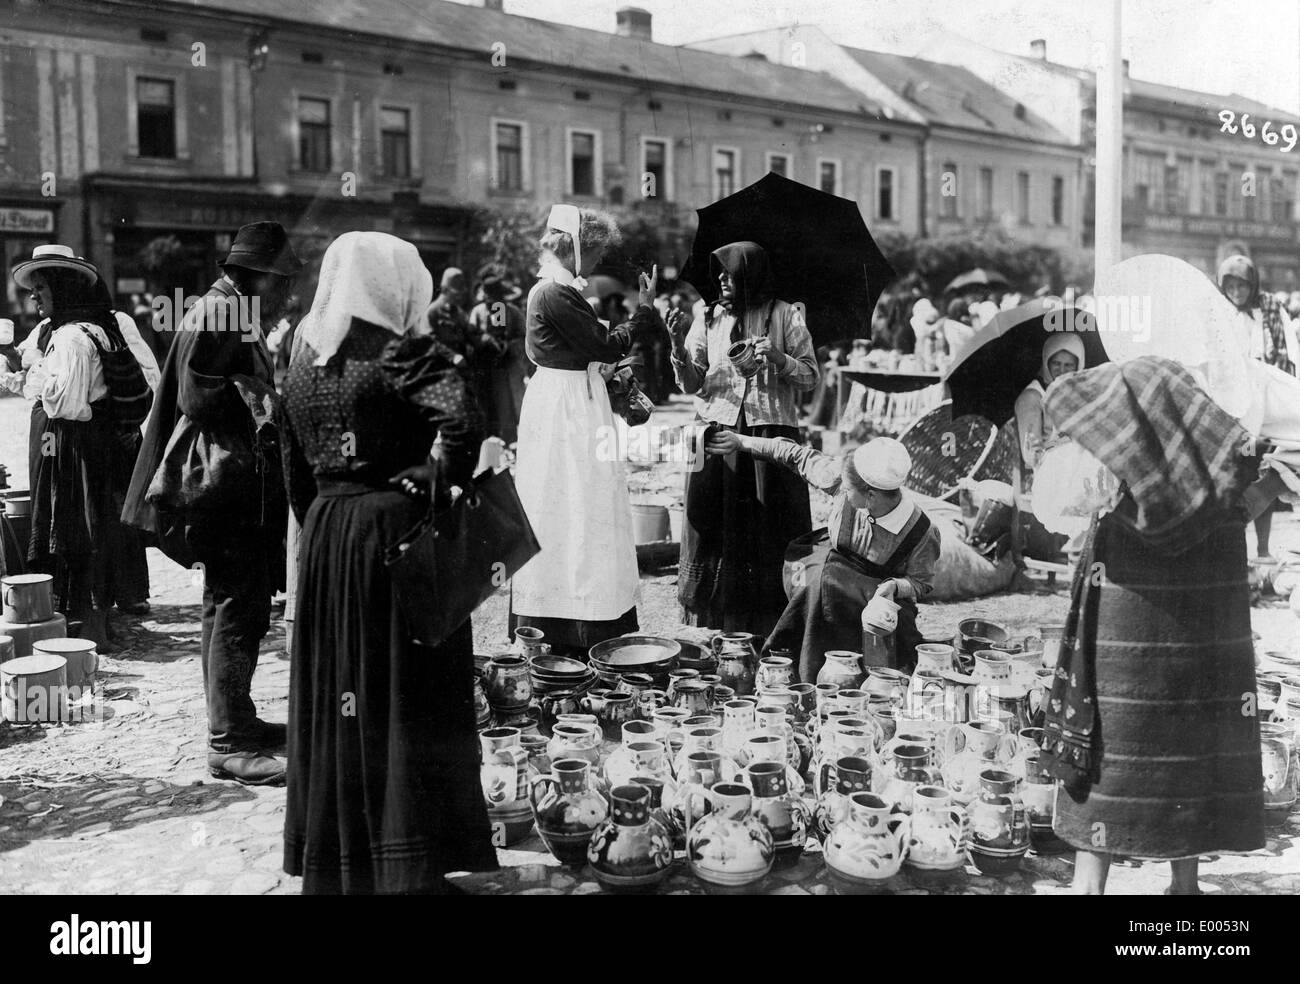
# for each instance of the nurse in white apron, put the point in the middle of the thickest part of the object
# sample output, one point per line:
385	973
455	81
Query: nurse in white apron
582	588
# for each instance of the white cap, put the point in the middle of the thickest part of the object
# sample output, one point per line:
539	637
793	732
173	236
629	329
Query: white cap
567	218
883	463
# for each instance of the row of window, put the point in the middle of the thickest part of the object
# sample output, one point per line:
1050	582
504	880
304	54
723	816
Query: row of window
1238	192
949	184
510	152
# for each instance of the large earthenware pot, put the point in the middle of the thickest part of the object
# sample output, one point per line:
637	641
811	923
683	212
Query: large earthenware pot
567	809
842	668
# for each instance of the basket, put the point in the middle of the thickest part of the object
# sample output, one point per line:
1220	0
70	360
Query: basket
935	473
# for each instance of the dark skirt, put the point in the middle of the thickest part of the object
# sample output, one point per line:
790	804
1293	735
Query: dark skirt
383	760
828	591
740	513
130	563
76	502
1180	765
573	636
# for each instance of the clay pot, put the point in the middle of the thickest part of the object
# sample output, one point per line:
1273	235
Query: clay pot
728	847
999	825
848	775
508	683
780	809
504	769
631	850
868	847
567	809
842	668
939	831
774	671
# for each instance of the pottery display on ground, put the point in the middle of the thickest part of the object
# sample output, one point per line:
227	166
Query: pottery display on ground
630	850
866	848
999	825
567	809
841	737
729	846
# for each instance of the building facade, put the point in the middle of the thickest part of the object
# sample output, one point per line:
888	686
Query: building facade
144	133
989	161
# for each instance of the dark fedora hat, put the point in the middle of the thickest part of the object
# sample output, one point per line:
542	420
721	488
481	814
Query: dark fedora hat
264	247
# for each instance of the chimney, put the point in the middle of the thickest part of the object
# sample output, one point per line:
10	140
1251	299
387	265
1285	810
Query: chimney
633	22
1038	48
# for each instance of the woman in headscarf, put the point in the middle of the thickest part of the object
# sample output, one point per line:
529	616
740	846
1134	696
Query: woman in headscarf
383	761
1062	353
582	588
73	462
1151	720
741	511
1269	336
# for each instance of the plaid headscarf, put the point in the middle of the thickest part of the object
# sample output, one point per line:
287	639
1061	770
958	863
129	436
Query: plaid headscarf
1182	457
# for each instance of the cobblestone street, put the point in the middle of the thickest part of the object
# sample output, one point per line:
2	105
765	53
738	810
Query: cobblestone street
126	805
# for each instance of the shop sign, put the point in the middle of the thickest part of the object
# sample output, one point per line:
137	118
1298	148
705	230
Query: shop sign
1219	227
29	221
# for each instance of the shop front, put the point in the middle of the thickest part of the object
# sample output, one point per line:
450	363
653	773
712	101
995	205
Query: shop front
24	225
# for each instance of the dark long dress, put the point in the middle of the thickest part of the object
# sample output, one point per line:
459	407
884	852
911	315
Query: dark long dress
1180	767
383	760
741	512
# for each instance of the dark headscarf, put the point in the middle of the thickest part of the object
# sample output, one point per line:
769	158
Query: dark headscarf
750	273
1242	268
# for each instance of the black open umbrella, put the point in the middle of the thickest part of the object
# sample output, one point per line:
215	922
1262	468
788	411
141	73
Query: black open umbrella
820	251
993	367
978	277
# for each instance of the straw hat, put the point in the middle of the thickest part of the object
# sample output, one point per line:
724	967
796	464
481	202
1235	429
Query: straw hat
53	257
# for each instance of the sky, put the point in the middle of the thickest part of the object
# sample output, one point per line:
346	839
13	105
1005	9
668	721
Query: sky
1251	47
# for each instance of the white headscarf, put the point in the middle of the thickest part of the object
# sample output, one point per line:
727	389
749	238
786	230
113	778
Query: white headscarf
368	275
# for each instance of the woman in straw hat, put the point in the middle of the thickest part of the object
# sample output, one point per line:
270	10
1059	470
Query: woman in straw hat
76	479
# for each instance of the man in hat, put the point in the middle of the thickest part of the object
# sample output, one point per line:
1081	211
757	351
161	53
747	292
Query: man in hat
498	326
877	541
447	316
236	550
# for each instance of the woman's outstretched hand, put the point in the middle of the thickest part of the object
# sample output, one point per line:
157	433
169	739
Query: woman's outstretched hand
724	442
648	284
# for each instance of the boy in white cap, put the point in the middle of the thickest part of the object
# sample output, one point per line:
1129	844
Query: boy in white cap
877	542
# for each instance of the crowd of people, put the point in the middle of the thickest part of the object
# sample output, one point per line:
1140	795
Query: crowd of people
305	478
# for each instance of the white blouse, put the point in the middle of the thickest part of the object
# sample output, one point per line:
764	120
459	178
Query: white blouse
68	378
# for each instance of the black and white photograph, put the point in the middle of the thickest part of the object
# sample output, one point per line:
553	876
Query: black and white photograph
650	447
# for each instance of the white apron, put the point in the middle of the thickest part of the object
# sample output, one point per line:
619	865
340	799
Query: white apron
570	478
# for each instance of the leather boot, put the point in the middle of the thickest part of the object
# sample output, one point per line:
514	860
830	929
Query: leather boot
250	767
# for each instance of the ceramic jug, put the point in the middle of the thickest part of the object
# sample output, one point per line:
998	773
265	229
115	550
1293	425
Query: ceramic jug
729	846
630	850
842	737
529	642
774	671
509	685
781	809
567	809
850	774
1278	756
939	831
970	749
737	653
504	769
769	746
640	754
737	724
912	767
999	825
869	846
575	740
